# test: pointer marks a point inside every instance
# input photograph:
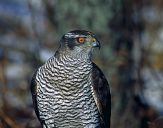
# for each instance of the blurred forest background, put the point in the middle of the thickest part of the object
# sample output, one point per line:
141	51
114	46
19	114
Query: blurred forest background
131	35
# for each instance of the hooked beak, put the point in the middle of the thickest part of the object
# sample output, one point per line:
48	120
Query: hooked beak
95	43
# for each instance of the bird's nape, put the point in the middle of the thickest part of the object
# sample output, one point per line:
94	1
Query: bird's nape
79	38
69	89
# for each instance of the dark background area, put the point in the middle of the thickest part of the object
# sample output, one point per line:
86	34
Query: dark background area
131	57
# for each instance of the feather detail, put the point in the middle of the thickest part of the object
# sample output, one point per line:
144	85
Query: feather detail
101	94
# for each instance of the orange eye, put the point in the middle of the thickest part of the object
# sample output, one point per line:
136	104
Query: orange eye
81	39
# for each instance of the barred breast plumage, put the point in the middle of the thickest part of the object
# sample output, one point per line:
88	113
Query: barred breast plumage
65	95
69	90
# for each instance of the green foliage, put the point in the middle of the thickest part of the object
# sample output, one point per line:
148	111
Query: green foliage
86	14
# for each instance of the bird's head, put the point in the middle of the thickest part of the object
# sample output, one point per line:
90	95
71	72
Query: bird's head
79	42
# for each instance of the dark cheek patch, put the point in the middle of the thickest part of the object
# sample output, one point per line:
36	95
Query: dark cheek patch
70	43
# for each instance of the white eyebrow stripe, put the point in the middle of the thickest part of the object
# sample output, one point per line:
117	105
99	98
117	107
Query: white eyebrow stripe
74	35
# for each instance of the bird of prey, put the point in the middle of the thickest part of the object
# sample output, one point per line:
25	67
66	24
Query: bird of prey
69	90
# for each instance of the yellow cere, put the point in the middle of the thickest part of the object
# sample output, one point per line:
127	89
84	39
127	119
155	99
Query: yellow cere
93	40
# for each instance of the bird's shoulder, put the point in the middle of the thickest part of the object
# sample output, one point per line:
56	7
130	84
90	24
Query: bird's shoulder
101	94
34	91
33	88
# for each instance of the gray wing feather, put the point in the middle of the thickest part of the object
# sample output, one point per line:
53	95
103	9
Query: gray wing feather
102	95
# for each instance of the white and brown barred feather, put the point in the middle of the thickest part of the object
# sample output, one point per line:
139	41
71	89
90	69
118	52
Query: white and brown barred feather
33	89
98	93
101	94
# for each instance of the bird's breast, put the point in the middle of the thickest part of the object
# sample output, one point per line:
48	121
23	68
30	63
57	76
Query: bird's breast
65	94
